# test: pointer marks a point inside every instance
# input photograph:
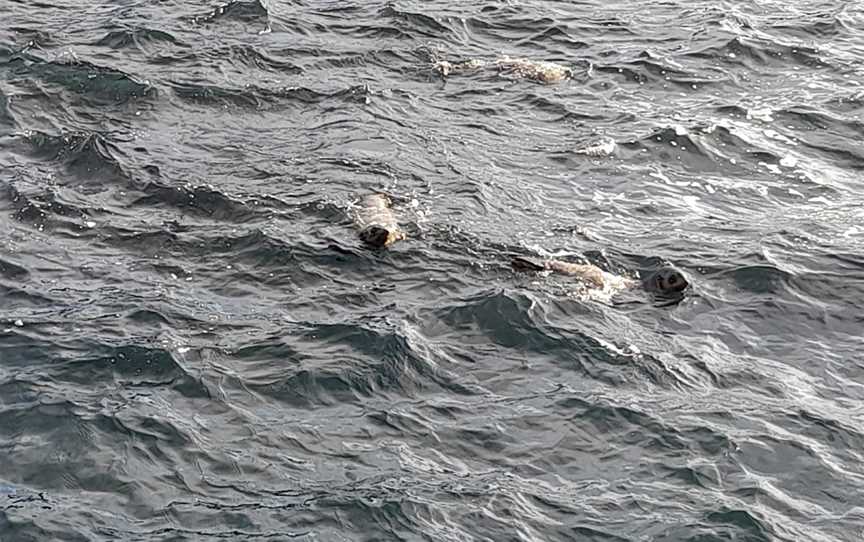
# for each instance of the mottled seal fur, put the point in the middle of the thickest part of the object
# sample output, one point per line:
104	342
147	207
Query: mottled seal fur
521	68
666	281
605	146
376	224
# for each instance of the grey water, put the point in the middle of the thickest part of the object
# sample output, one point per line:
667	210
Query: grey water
194	345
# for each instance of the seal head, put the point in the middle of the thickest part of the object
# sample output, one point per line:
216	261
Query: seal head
378	236
667	281
375	222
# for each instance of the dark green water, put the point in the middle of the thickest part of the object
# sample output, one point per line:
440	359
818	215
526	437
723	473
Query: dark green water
194	345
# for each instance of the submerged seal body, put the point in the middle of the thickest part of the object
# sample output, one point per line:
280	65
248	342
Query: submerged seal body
521	68
542	72
666	281
376	224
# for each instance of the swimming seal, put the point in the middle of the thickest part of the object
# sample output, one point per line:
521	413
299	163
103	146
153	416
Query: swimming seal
665	281
520	68
541	72
375	221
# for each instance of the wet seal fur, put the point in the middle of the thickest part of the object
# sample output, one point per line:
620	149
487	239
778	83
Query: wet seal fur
376	224
666	281
520	68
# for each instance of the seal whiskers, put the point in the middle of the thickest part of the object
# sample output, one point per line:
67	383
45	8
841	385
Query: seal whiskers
375	221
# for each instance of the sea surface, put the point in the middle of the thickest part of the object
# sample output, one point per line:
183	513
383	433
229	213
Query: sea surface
194	345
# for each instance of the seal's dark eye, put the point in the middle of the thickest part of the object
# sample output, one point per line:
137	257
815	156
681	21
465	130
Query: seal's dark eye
673	280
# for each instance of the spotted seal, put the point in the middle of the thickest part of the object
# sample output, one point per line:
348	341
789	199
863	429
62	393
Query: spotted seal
665	281
375	222
519	68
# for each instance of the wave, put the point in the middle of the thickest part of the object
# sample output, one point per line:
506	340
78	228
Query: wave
44	209
6	118
554	33
241	57
99	85
247	55
257	98
328	363
831	135
701	148
7	53
131	365
218	96
196	200
676	137
204	201
312	257
647	69
402	62
415	24
255	256
139	242
759	279
734	146
251	11
89	156
631	425
808	26
136	37
79	165
844	288
12	271
507	320
752	53
729	521
810	118
559	108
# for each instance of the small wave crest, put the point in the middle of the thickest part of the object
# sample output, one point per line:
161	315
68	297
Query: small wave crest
257	98
89	156
328	363
137	37
753	53
239	11
96	84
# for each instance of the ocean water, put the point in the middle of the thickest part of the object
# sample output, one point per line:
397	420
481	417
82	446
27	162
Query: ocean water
195	346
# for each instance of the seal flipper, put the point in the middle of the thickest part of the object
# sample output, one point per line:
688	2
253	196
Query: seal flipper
519	263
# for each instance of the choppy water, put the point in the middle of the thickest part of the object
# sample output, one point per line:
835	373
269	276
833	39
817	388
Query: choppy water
193	346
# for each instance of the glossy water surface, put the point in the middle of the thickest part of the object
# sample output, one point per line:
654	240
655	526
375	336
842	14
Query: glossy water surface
194	346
